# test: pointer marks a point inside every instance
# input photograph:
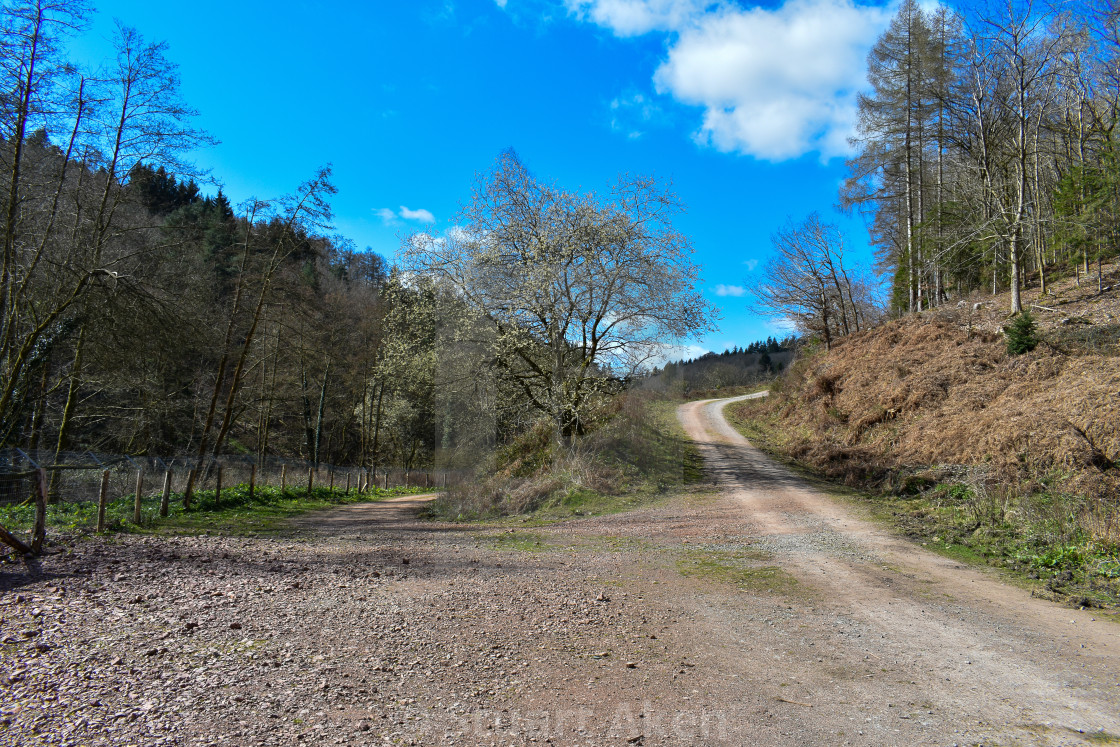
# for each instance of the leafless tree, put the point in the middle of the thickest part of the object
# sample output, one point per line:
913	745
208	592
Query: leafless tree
808	283
582	289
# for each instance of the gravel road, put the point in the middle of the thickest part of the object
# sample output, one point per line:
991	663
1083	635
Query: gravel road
756	611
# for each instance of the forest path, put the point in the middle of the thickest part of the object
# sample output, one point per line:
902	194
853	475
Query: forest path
364	517
751	611
977	649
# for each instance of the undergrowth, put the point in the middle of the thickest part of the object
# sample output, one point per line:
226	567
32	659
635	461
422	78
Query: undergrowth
1036	529
635	452
235	513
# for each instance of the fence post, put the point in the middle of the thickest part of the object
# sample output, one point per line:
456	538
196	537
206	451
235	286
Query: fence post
252	481
331	471
347	483
218	488
139	492
164	502
283	478
310	480
41	490
102	499
386	479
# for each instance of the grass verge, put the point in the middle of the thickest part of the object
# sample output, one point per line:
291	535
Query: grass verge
235	514
1030	536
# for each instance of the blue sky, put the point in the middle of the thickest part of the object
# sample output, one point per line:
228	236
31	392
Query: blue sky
745	108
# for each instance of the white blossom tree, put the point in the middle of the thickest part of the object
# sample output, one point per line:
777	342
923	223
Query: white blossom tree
581	289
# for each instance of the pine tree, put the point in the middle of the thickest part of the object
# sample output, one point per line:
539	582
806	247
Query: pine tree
1022	334
888	171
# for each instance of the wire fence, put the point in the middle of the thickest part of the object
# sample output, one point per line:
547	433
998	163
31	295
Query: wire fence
74	477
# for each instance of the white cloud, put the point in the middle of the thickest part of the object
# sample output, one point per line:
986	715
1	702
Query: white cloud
501	3
422	215
387	216
773	82
782	326
751	264
392	218
673	353
635	17
730	290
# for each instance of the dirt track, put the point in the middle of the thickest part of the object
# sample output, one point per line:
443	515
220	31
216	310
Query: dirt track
979	651
366	626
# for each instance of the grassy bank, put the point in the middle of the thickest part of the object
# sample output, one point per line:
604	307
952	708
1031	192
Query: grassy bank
636	453
1039	534
235	513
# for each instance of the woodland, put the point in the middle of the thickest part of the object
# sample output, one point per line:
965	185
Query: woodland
986	150
142	314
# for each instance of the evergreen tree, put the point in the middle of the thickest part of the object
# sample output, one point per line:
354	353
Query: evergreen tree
1022	334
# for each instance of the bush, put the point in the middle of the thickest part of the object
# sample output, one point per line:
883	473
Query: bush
1022	334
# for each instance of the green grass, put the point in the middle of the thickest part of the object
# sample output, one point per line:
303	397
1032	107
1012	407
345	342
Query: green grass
517	541
266	512
1102	737
739	568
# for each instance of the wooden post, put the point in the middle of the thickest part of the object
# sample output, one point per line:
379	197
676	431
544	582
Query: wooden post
102	499
310	480
165	500
218	487
347	484
283	478
252	481
42	489
332	480
139	492
386	479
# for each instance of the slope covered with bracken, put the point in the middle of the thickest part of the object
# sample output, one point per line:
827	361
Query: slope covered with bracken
933	406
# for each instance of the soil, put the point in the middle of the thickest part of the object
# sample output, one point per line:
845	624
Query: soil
758	612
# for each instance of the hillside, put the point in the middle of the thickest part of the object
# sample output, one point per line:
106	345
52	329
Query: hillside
713	372
1024	448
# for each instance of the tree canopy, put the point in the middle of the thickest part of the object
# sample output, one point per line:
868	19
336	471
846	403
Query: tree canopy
581	289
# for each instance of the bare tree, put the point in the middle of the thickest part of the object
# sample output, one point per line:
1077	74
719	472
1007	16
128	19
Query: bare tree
581	289
808	283
1020	42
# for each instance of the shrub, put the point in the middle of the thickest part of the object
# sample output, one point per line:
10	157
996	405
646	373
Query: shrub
1022	334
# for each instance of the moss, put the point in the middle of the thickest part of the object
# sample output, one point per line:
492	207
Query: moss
740	568
517	542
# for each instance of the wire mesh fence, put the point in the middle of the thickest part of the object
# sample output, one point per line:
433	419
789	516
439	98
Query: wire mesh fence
75	477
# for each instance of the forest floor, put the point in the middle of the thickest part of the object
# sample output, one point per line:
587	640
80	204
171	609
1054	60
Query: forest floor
757	611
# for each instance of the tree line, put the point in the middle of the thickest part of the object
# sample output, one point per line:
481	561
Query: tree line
986	148
141	315
986	160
